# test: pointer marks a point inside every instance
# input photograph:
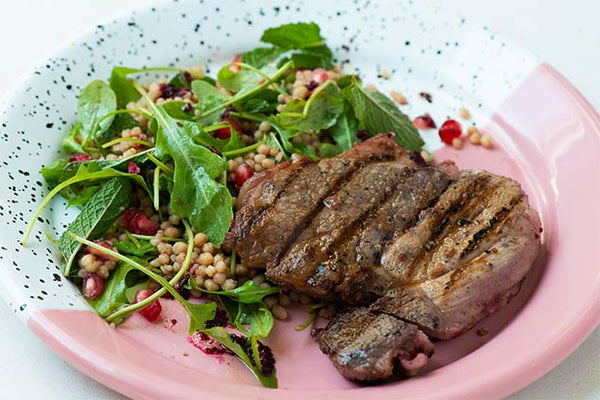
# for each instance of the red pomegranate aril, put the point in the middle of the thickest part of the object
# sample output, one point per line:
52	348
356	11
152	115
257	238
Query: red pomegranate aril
93	286
242	173
449	131
136	222
152	311
78	157
225	133
316	78
236	68
424	122
133	168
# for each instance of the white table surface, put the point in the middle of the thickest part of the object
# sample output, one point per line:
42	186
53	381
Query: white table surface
564	33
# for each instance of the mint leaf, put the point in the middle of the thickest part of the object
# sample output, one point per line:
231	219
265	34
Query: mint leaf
314	57
319	112
294	36
243	80
377	114
95	218
261	56
343	133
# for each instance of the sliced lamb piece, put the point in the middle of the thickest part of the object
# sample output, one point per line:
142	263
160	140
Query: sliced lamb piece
265	224
365	191
476	265
365	346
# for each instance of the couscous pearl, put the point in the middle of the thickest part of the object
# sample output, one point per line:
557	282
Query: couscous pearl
200	239
219	278
270	301
284	300
208	248
172	232
279	312
464	113
221	267
264	127
205	259
267	163
180	247
218	257
240	270
475	138
209	284
210	270
457	143
263	149
229	284
259	279
471	130
486	141
259	158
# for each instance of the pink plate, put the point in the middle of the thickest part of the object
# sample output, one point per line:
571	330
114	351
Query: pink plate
546	136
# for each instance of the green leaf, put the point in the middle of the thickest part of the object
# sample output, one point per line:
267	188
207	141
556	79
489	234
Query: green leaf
314	57
262	56
294	36
95	218
263	102
319	112
258	318
248	293
114	295
377	114
179	80
243	80
122	86
196	195
52	172
209	97
222	336
95	100
199	314
141	250
71	142
343	133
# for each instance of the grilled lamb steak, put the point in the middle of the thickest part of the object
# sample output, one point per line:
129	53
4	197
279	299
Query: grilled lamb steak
426	248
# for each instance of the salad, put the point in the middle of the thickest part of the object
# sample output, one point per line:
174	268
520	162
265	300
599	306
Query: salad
155	168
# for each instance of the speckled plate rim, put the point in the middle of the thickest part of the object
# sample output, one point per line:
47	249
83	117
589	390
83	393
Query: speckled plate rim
496	384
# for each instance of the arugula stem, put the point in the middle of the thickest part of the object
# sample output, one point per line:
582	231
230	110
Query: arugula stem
252	92
132	238
160	164
146	237
241	151
214	127
306	323
124	139
232	263
246	115
155	183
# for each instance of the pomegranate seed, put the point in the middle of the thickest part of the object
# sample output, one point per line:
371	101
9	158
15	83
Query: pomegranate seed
152	311
236	68
93	286
133	168
78	157
449	131
317	77
225	133
424	122
242	173
136	222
